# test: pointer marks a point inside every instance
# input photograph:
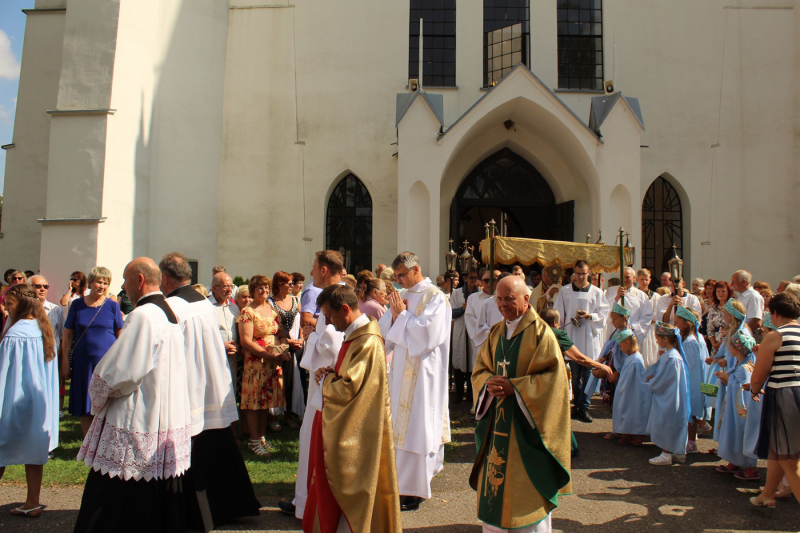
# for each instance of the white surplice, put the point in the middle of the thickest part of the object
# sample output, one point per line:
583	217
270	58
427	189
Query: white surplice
141	428
211	396
690	301
641	310
587	337
460	356
321	350
420	339
649	348
471	319
489	316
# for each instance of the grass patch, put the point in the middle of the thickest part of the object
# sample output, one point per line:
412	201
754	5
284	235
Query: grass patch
271	476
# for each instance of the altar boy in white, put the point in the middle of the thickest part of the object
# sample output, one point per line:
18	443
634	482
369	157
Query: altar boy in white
418	330
139	444
585	310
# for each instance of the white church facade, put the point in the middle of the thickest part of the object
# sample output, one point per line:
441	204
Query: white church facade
252	133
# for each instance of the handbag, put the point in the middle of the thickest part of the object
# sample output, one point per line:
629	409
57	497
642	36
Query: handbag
74	344
707	388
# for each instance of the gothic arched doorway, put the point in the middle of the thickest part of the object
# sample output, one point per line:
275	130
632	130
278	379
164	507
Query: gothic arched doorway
507	188
349	224
662	226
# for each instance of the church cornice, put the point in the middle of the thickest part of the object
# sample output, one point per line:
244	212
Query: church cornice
44	11
62	112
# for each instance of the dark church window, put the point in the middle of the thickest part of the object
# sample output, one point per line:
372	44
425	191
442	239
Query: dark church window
506	38
438	42
662	226
349	224
580	44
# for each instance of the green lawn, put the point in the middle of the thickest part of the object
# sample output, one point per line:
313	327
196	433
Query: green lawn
272	476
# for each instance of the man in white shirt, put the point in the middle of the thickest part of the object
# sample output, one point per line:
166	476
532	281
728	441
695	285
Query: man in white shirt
665	308
418	331
666	279
56	315
221	290
585	311
636	302
750	298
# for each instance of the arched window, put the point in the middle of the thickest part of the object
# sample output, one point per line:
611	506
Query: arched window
349	224
662	226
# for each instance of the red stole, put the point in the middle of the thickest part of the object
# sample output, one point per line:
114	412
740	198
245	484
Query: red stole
320	497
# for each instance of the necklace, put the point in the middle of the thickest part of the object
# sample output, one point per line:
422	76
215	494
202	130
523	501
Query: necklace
98	303
506	362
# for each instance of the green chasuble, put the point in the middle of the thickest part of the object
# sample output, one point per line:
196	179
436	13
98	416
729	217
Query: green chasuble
523	440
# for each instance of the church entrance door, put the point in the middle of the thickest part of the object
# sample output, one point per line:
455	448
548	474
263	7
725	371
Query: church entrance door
507	188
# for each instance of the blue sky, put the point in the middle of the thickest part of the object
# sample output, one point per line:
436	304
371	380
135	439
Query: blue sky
12	32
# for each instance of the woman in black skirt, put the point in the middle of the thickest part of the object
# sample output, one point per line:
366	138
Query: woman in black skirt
778	364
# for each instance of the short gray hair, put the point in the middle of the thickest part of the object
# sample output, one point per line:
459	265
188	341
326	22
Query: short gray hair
219	268
631	270
744	275
793	289
99	272
700	280
175	266
151	274
666	274
406	259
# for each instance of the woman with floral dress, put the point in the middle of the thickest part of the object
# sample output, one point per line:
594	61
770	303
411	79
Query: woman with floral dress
262	379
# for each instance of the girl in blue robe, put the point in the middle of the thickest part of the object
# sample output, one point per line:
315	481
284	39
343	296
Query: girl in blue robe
632	397
694	347
669	414
28	392
733	315
733	422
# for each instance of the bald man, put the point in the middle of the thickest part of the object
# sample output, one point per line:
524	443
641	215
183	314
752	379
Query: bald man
139	395
523	432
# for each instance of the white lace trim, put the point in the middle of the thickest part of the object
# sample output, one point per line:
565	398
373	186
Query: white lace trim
100	392
127	454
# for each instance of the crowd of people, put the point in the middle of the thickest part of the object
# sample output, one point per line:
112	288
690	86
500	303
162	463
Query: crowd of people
160	374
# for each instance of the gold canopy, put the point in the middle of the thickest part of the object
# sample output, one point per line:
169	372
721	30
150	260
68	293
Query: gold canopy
510	250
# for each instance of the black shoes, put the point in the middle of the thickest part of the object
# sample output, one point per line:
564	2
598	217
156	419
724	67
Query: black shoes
410	503
286	507
583	415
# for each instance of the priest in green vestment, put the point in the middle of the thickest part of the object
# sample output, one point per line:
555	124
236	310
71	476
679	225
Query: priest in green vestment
522	407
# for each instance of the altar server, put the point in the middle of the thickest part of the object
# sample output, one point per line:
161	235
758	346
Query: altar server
636	301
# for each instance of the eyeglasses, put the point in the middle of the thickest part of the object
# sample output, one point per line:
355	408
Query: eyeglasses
224	286
39	286
486	280
17	278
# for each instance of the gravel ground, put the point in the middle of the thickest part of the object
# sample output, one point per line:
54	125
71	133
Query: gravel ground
616	490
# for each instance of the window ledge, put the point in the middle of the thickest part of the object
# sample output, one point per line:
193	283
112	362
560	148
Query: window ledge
439	87
583	91
71	220
7	146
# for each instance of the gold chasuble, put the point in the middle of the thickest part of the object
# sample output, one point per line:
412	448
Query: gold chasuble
357	442
523	441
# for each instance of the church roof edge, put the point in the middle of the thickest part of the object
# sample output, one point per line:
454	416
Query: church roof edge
602	106
434	101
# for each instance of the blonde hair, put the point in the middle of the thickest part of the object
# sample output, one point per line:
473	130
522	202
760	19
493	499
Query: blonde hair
199	287
100	272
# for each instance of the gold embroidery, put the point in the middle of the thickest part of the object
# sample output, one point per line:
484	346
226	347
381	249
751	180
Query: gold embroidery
494	477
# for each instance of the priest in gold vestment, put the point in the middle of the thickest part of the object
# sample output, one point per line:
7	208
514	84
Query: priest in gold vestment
522	407
352	478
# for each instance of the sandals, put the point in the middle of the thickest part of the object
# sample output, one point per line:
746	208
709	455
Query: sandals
768	507
267	446
274	426
34	512
702	430
728	469
750	474
257	448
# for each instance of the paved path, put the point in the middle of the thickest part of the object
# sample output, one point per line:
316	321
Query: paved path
616	490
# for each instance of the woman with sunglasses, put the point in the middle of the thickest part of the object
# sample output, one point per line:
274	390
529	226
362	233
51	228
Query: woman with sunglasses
76	289
16	277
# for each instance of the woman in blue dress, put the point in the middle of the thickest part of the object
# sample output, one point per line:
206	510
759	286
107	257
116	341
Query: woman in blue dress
632	397
92	325
28	392
668	425
696	352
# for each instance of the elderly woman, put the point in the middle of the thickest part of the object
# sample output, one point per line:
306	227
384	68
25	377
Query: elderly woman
373	301
778	359
76	288
361	281
93	324
287	306
28	393
262	380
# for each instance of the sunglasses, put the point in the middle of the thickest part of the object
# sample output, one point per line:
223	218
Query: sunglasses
39	286
17	278
73	279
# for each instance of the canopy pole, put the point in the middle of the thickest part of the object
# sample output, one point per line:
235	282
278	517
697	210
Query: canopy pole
622	263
